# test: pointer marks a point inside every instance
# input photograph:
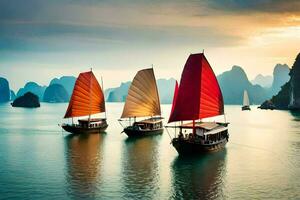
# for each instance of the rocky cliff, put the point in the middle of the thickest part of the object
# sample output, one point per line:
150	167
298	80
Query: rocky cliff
234	82
33	88
295	85
28	100
4	90
68	82
56	93
289	95
280	77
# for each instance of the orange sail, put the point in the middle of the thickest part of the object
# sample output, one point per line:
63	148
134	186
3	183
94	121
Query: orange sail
87	97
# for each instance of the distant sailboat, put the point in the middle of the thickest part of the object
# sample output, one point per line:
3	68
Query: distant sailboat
246	104
143	101
87	99
197	97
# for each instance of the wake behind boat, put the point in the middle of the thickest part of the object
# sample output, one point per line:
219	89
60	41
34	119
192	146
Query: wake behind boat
87	99
197	97
142	101
246	103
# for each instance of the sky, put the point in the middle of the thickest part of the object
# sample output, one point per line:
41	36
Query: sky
40	39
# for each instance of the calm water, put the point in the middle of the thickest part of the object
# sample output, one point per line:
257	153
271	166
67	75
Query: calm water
38	161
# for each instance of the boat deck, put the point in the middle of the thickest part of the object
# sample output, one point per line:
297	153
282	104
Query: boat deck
202	125
150	121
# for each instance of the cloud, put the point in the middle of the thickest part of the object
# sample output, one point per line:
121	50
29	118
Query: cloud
268	6
100	25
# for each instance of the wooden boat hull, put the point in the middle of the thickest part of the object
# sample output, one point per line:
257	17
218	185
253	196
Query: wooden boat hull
82	130
142	133
186	147
246	108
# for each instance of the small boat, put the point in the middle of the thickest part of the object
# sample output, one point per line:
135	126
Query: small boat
87	99
142	101
246	104
198	97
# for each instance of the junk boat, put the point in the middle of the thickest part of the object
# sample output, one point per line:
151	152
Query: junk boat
87	99
198	97
142	101
246	104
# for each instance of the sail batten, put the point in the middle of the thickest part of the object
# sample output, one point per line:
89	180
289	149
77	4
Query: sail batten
198	95
87	97
142	99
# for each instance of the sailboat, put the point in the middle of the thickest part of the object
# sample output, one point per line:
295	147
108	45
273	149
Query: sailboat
198	96
142	101
246	104
87	99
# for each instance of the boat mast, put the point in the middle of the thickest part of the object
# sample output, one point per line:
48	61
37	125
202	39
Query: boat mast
104	97
90	98
156	91
194	127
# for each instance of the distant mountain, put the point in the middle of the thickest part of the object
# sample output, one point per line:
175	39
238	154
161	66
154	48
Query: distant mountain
107	92
4	90
288	96
264	81
56	93
12	95
67	82
28	100
295	85
234	82
165	89
281	76
118	94
33	88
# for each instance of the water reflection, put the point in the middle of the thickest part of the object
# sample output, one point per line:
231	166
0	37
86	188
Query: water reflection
83	157
140	173
199	178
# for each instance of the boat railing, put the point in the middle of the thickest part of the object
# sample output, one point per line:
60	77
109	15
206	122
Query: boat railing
200	139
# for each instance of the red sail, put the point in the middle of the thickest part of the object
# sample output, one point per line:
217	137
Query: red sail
174	97
87	97
199	94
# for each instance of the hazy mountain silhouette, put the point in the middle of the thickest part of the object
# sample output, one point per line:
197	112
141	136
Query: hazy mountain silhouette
33	88
289	95
12	95
264	81
67	82
56	93
165	90
280	77
118	94
4	90
234	82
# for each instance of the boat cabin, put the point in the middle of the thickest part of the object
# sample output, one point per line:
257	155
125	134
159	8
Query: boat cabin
91	123
149	124
205	132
